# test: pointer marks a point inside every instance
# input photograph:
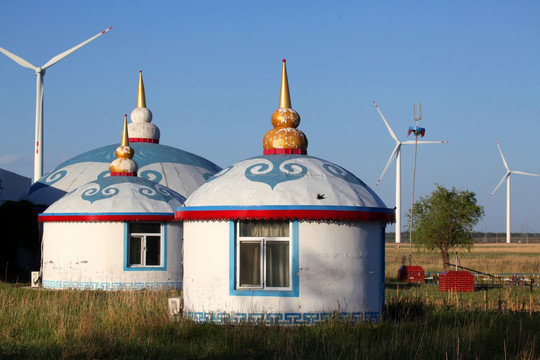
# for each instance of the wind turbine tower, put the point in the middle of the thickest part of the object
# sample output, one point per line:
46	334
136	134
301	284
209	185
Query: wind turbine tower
40	73
508	202
396	154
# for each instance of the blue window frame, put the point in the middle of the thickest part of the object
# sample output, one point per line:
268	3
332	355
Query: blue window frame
262	262
145	246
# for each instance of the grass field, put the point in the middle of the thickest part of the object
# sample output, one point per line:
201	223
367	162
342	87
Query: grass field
420	323
488	258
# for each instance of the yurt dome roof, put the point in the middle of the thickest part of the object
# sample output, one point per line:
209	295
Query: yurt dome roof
177	169
174	168
285	183
121	196
116	198
285	186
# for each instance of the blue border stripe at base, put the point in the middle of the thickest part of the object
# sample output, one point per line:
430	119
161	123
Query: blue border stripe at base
309	318
111	286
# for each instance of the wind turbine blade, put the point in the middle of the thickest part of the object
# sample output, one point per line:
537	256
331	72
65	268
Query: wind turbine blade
504	160
394	153
392	133
412	142
499	184
59	57
524	173
18	59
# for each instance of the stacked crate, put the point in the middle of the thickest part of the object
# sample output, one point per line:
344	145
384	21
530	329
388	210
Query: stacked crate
458	281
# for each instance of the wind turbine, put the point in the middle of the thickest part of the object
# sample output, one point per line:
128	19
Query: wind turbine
397	155
40	73
507	178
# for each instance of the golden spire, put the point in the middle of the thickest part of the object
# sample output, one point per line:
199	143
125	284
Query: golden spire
284	96
125	137
141	98
285	138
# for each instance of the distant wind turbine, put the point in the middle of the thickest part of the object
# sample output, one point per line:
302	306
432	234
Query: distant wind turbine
397	155
507	178
40	73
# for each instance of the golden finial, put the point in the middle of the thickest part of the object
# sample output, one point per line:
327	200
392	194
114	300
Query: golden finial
141	98
123	165
285	138
284	96
125	137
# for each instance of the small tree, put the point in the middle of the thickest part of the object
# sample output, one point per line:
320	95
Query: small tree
444	220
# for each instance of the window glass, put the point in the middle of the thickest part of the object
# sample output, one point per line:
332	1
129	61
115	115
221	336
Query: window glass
277	264
135	250
263	254
153	250
271	228
144	227
250	265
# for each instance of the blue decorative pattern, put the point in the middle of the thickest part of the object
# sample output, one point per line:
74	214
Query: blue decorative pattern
159	193
101	189
145	154
309	318
151	175
341	173
47	180
219	174
273	170
90	285
104	189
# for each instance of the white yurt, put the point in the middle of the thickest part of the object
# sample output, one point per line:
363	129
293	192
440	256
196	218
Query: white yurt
284	237
176	169
114	233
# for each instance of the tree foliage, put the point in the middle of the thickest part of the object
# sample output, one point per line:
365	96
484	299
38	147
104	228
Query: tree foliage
445	219
20	235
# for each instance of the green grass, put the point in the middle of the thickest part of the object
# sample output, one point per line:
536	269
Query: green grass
421	323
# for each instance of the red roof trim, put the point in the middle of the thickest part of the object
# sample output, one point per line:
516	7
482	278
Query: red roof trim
284	151
123	173
104	218
144	140
285	214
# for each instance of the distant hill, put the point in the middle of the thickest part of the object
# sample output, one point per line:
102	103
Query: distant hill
14	185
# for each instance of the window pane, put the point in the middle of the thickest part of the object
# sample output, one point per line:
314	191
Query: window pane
271	228
250	264
145	228
277	264
153	251
135	250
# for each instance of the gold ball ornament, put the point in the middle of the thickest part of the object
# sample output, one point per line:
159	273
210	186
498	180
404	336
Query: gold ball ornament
283	118
124	152
285	138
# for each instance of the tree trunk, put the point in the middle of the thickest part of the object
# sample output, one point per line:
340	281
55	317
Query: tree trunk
445	258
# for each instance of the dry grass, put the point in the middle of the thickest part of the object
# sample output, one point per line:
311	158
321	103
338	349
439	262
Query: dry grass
422	323
488	258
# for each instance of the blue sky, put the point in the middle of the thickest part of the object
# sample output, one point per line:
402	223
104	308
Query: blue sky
212	77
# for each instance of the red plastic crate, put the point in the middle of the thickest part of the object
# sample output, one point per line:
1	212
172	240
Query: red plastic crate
458	281
411	274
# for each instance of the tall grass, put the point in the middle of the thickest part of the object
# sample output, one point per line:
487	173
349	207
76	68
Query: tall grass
421	323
